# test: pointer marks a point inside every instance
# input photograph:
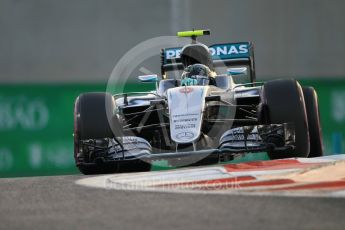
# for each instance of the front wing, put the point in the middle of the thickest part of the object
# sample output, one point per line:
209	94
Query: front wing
235	142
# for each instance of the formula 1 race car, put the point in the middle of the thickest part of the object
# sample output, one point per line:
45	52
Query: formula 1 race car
197	119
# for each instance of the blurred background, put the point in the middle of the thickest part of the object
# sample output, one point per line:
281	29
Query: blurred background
51	51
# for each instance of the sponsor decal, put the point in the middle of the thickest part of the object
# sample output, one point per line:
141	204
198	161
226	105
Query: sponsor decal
186	120
185	126
228	50
184	136
186	90
185	115
172	53
220	51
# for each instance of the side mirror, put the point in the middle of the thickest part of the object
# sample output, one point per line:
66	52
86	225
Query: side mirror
148	78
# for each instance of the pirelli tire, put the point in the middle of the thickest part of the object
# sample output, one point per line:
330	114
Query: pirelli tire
313	114
91	120
94	119
283	101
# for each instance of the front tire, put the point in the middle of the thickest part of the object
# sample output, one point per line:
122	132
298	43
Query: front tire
285	104
91	112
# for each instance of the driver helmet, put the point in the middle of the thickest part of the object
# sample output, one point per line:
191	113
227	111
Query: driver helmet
197	74
196	54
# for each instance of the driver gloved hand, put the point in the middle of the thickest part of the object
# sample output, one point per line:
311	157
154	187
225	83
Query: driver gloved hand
188	81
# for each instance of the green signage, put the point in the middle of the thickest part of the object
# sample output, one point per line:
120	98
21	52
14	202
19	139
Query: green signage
36	127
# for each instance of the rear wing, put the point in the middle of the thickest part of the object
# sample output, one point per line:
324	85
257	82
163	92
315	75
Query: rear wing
238	58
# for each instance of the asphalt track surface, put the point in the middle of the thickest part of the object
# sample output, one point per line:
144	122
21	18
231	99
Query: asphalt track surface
59	203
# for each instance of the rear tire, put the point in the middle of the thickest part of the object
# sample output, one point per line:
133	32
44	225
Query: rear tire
285	104
315	133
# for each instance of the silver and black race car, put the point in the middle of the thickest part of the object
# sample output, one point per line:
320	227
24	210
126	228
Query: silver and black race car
198	118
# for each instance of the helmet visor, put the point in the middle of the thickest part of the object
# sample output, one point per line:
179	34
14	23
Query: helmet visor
201	80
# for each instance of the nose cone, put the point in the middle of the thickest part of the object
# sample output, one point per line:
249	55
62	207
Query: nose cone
186	106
